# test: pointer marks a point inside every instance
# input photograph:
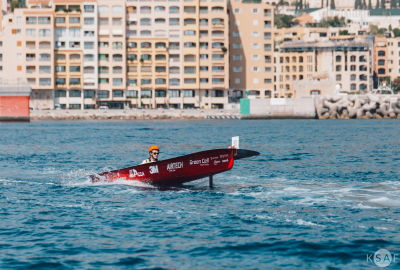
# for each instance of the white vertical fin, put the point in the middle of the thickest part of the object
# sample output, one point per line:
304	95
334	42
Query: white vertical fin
235	142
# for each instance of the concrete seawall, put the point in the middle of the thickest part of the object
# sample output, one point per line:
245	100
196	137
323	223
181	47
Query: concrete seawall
133	114
278	108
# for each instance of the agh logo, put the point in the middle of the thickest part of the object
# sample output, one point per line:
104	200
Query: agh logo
382	258
153	169
174	166
133	173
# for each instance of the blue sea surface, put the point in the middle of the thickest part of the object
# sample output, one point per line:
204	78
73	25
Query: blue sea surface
322	195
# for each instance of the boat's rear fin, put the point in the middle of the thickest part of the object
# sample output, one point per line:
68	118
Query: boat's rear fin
242	153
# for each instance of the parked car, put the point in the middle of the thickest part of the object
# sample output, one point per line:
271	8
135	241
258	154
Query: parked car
103	108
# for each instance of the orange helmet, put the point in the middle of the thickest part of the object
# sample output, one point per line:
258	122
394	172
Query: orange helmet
154	147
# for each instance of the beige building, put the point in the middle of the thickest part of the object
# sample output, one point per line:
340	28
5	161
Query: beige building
251	47
82	54
349	63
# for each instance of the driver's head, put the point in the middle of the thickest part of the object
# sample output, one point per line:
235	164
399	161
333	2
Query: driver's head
154	151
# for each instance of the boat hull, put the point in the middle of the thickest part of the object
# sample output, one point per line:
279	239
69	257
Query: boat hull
175	170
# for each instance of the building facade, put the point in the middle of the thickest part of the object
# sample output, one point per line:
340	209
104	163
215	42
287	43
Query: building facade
349	63
82	54
252	48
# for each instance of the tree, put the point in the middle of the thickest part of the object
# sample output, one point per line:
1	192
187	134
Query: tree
343	32
364	5
396	32
281	3
333	4
390	27
382	4
377	4
393	4
369	4
14	4
284	21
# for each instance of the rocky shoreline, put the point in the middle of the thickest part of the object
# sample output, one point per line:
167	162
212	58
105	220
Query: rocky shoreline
133	114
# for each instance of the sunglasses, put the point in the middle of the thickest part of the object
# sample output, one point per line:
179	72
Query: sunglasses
155	153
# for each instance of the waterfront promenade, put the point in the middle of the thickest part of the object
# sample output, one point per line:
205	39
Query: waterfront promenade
130	114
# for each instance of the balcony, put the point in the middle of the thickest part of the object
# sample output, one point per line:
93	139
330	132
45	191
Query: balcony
31	59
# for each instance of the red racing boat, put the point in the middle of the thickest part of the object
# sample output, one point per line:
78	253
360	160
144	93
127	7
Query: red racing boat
180	169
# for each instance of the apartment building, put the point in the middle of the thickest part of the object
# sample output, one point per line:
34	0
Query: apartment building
348	62
251	47
81	54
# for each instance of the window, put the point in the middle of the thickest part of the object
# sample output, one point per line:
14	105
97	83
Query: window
104	80
146	93
89	94
352	58
60	20
89	8
381	62
103	94
217	93
236	34
74	69
44	33
203	80
75	93
203	56
255	69
44	81
74	32
31	32
188	93
117	81
30	20
174	93
74	81
338	58
237	57
173	9
117	9
60	32
189	33
73	44
131	82
161	81
131	94
338	68
338	78
118	93
237	69
190	80
146	81
267	47
173	21
44	20
74	20
44	69
60	93
267	81
190	45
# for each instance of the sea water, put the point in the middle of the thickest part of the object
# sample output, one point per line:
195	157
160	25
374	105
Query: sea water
322	195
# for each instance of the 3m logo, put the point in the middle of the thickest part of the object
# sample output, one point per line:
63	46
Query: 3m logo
153	169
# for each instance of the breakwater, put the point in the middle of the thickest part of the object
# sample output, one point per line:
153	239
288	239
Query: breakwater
360	107
133	114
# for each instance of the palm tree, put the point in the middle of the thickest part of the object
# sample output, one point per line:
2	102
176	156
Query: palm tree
281	3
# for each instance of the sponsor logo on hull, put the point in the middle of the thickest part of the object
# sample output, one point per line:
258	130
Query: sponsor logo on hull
201	162
225	160
133	173
224	156
174	166
216	162
153	169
